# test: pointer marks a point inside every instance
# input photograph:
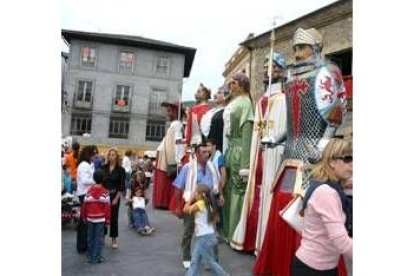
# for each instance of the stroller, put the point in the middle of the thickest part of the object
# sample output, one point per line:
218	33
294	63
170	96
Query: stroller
70	210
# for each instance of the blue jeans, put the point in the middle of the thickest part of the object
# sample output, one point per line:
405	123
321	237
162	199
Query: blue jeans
203	248
95	241
188	223
139	218
127	181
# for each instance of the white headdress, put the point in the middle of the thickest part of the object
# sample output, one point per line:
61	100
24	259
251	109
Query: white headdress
310	37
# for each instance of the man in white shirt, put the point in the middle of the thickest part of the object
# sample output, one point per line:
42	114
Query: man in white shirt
127	165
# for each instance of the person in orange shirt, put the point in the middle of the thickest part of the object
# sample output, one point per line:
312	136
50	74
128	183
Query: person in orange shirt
72	161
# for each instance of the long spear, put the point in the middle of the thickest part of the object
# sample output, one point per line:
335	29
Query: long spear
180	123
266	138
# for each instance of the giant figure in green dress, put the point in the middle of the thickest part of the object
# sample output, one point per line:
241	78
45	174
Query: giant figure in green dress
238	125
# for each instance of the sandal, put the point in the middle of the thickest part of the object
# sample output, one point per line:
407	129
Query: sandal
150	230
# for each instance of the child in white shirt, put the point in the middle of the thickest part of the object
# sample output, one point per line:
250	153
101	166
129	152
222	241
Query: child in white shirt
205	218
140	220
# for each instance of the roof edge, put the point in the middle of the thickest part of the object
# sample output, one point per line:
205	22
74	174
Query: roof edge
134	41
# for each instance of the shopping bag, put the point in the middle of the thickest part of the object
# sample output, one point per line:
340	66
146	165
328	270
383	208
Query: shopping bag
291	214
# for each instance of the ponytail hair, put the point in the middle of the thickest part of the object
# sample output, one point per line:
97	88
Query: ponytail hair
204	191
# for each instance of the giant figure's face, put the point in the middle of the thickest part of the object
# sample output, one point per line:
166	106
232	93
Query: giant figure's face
199	95
235	87
276	73
219	97
171	112
302	52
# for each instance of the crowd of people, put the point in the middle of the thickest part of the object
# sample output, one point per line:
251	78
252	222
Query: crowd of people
121	178
228	170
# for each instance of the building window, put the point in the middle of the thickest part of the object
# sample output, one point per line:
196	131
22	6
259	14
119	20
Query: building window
122	95
88	56
155	130
84	91
80	124
343	60
119	127
126	61
156	98
162	65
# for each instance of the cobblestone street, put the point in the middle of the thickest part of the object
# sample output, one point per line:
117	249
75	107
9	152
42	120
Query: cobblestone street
159	254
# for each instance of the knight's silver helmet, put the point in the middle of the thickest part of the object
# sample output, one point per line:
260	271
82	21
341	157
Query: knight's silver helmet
309	36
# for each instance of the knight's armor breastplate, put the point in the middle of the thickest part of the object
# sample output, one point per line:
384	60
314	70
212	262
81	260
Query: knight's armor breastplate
305	126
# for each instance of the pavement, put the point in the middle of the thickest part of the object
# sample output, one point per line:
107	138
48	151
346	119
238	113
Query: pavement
158	254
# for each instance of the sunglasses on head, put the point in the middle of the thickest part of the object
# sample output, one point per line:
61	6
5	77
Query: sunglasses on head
346	159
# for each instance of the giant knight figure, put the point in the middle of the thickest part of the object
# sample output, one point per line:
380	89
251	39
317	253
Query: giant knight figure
315	103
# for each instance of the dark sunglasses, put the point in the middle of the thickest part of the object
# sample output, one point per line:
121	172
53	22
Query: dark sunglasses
346	159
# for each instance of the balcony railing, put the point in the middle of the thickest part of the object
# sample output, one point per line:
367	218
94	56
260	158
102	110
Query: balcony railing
83	104
119	105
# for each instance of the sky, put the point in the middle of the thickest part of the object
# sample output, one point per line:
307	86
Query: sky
214	30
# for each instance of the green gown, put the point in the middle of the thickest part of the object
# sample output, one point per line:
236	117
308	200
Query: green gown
238	127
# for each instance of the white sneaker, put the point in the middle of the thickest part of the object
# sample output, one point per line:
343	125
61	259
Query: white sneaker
186	264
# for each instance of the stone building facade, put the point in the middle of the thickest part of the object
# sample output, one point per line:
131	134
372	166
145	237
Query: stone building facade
239	61
115	85
334	22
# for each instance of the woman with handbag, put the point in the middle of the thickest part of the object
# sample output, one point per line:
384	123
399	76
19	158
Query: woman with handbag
326	208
